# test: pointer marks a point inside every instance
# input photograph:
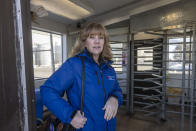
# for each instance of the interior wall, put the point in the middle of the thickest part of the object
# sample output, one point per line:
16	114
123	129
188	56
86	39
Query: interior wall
50	25
118	34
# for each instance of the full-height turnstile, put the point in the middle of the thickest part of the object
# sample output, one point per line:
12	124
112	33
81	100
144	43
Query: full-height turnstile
147	77
168	84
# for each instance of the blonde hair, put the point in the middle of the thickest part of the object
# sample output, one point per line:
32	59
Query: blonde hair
93	29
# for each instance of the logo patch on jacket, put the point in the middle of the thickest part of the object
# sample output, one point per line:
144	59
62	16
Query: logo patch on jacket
110	77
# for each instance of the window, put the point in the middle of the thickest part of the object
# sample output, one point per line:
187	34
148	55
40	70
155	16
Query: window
118	55
57	50
47	53
176	55
145	58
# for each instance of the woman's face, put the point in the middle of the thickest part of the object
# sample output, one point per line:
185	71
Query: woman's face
94	44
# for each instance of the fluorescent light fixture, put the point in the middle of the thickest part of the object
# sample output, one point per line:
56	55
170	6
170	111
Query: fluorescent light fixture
63	8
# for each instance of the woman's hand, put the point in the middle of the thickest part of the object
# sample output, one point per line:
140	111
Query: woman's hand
78	120
111	108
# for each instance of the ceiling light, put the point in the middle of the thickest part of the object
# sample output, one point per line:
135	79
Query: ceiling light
63	8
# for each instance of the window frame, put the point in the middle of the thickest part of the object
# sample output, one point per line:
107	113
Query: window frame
146	63
51	49
179	42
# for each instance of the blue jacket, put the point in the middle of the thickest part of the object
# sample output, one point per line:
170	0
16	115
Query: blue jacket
100	84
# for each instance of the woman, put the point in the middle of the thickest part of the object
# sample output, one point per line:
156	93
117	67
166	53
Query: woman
102	95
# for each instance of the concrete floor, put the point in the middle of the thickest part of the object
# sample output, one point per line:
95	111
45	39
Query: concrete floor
139	122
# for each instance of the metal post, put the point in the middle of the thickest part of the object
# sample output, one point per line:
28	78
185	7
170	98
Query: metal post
128	71
189	71
52	53
163	109
132	73
183	80
62	50
22	72
193	81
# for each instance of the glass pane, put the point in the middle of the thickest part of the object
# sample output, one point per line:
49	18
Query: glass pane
117	52
117	60
117	66
175	47
178	40
57	48
118	69
175	56
189	47
40	40
116	45
117	56
175	65
146	63
42	64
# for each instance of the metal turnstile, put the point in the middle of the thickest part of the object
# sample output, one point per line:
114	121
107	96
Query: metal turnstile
162	79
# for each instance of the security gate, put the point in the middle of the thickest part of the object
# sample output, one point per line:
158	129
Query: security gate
163	75
148	81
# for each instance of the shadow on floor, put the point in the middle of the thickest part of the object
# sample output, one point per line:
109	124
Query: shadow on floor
140	122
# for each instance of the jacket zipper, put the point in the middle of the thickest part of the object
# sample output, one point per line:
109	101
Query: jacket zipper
97	78
103	86
104	94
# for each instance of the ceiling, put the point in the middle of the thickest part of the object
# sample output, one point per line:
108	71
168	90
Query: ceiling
107	12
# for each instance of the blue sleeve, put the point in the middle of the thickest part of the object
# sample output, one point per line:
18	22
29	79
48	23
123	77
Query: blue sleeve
117	91
53	89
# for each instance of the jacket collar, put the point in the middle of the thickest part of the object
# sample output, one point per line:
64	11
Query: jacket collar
89	56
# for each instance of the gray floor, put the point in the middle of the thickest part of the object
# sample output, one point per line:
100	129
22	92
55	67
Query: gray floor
139	122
